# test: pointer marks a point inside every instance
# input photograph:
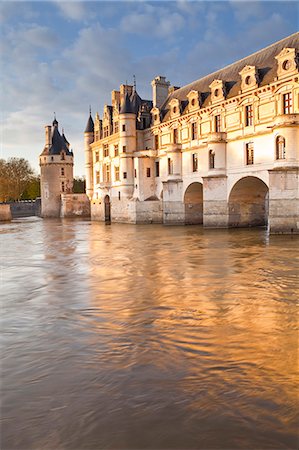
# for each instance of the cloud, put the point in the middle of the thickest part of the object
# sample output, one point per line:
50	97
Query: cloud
156	21
74	10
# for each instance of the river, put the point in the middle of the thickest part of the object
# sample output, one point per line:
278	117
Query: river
147	337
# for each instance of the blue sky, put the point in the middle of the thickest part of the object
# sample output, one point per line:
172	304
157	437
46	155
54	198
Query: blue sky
64	56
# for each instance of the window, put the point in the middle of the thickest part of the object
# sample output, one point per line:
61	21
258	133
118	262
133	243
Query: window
124	149
194	162
249	153
175	135
287	103
156	141
157	168
193	131
170	166
106	150
52	158
211	159
62	155
118	195
248	115
148	172
124	127
115	127
97	177
125	174
116	173
62	172
106	173
217	123
280	147
135	173
96	156
116	150
106	131
62	187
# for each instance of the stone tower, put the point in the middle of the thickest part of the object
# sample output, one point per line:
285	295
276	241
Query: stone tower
88	140
56	166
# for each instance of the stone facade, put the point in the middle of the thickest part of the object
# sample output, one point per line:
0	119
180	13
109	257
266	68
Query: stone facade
56	178
5	213
222	151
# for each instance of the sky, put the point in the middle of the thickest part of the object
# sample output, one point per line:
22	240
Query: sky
64	56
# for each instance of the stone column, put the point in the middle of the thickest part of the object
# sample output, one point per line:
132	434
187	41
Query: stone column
284	200
215	205
173	206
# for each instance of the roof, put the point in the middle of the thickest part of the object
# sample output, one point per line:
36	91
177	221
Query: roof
90	125
264	60
126	106
58	144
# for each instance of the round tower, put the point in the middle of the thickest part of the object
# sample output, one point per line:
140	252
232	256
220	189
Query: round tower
56	171
88	140
127	145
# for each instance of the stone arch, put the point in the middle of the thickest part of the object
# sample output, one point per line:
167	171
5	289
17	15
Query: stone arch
248	203
193	202
107	207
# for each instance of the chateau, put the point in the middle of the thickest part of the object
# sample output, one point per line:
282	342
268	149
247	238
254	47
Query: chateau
222	151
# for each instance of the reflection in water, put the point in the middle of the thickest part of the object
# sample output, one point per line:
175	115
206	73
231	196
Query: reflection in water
147	337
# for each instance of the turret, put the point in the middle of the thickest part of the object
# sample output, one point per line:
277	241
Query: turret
127	144
56	166
88	140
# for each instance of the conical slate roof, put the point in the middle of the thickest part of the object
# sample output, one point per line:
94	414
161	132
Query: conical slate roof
126	106
135	102
90	125
58	144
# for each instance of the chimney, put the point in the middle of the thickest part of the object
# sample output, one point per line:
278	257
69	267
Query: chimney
160	90
48	135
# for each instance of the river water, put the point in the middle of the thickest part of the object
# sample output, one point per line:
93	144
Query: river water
147	337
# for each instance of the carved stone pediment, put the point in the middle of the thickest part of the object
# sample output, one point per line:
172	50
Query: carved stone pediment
287	62
194	100
218	90
175	108
249	78
155	112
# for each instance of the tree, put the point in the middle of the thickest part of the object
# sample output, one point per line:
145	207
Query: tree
79	185
15	176
32	190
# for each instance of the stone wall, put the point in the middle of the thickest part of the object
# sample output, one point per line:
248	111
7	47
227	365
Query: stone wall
284	201
75	205
5	213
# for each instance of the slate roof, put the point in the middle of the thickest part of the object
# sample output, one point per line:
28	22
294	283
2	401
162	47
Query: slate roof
58	144
90	125
264	60
126	105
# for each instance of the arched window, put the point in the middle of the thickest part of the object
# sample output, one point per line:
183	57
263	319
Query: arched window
280	147
211	159
62	171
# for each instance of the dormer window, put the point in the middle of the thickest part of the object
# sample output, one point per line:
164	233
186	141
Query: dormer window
249	78
287	62
193	100
217	90
174	105
155	115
